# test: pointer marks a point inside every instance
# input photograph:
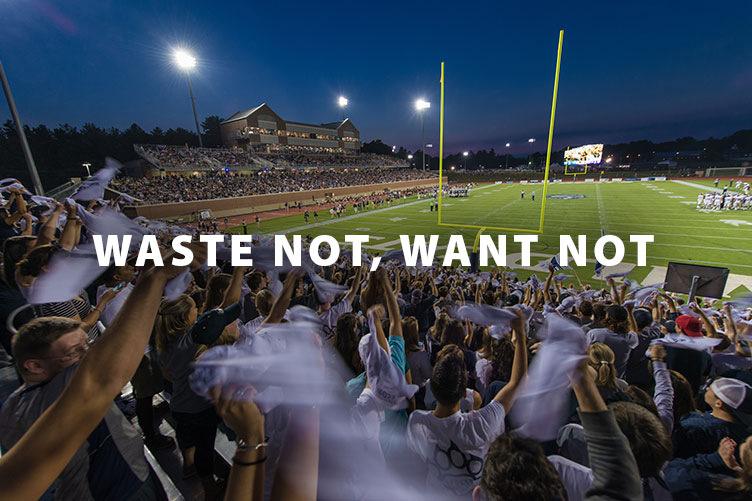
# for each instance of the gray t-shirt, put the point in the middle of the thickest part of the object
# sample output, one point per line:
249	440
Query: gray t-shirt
109	465
621	344
178	361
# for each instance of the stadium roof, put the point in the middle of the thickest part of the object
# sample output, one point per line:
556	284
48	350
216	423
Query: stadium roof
334	125
330	125
242	114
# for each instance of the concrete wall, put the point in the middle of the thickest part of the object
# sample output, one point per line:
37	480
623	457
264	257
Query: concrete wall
222	207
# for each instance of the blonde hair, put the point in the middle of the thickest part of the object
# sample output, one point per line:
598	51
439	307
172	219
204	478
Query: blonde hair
172	321
602	360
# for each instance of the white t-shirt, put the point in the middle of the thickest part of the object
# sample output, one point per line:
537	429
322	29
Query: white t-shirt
455	447
329	317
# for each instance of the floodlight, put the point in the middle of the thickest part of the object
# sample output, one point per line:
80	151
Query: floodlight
342	101
184	59
531	140
422	104
507	145
464	153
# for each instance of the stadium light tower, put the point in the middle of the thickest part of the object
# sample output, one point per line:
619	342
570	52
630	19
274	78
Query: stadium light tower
342	101
21	134
186	62
465	154
531	141
87	165
421	105
507	155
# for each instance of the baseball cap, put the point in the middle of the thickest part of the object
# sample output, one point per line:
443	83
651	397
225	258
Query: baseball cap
670	325
690	325
643	317
737	395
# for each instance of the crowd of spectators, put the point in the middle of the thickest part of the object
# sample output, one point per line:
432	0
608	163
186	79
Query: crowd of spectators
175	188
338	382
183	158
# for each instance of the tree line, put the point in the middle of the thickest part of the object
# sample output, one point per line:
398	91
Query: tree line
60	152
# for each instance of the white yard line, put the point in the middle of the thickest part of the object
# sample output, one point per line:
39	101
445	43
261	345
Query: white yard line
695	185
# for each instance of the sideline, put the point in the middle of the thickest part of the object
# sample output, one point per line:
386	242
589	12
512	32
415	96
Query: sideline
360	214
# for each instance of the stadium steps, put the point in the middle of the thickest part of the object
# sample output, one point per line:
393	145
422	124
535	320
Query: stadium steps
63	191
170	461
141	151
115	193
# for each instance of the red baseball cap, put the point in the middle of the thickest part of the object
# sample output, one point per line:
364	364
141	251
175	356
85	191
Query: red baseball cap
691	326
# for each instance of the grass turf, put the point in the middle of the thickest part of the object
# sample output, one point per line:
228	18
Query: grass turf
664	209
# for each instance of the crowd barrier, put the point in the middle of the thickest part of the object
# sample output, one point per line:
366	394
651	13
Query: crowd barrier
225	207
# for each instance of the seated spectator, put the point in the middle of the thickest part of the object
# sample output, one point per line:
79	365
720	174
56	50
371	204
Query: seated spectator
730	401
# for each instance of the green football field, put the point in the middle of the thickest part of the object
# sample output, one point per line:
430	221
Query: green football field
665	209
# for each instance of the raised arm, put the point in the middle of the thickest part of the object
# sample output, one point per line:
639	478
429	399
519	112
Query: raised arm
277	313
611	459
93	317
622	292
29	228
614	291
671	303
20	206
232	294
732	332
507	395
395	322
630	317
657	314
46	233
355	286
432	283
547	285
246	480
709	327
663	396
68	236
378	313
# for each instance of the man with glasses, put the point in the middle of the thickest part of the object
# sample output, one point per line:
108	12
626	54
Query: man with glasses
111	464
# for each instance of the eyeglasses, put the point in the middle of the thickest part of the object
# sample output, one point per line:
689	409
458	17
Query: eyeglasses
73	354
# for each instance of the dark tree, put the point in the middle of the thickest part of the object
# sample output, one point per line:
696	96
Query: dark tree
210	131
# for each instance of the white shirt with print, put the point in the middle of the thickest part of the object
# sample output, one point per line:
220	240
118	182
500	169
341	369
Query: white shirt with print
455	447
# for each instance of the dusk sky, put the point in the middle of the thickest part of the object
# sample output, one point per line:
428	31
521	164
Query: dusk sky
630	70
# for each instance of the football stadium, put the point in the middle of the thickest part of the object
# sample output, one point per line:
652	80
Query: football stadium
313	261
